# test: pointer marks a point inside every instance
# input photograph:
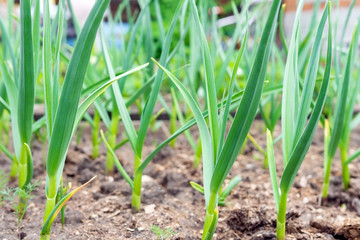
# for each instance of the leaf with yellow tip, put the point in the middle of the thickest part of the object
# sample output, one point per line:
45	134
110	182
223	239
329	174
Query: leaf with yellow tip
47	225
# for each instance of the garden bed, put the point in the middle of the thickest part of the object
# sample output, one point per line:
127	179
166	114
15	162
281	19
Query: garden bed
102	210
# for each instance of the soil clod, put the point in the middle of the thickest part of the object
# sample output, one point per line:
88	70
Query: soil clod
248	219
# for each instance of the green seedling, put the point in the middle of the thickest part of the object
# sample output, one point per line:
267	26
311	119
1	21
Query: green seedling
16	196
161	234
137	138
20	91
63	117
219	154
296	134
338	129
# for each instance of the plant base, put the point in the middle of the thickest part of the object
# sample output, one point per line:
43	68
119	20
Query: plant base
136	202
45	237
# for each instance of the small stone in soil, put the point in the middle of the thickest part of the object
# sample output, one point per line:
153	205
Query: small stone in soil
110	179
302	183
147	179
339	221
94	217
149	208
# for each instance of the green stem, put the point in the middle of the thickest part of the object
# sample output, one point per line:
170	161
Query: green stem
265	163
260	149
173	122
50	197
45	237
22	201
257	146
112	140
95	135
136	191
327	172
14	169
22	166
212	228
6	133
50	204
345	168
243	147
207	224
109	159
209	218
281	217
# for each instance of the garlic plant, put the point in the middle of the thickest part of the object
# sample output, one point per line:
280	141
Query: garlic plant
297	131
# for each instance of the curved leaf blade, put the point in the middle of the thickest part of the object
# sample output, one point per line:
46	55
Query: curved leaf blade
249	102
303	144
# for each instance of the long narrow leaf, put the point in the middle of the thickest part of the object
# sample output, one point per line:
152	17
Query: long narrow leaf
120	103
47	75
231	89
211	98
12	93
56	76
7	47
248	105
27	84
291	90
83	107
70	95
150	104
234	103
233	182
302	146
272	168
340	108
117	162
310	79
345	136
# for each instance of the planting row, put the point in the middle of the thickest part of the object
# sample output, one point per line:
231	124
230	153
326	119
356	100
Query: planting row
186	63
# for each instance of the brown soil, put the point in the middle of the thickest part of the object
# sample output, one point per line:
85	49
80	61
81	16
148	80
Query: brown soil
102	210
